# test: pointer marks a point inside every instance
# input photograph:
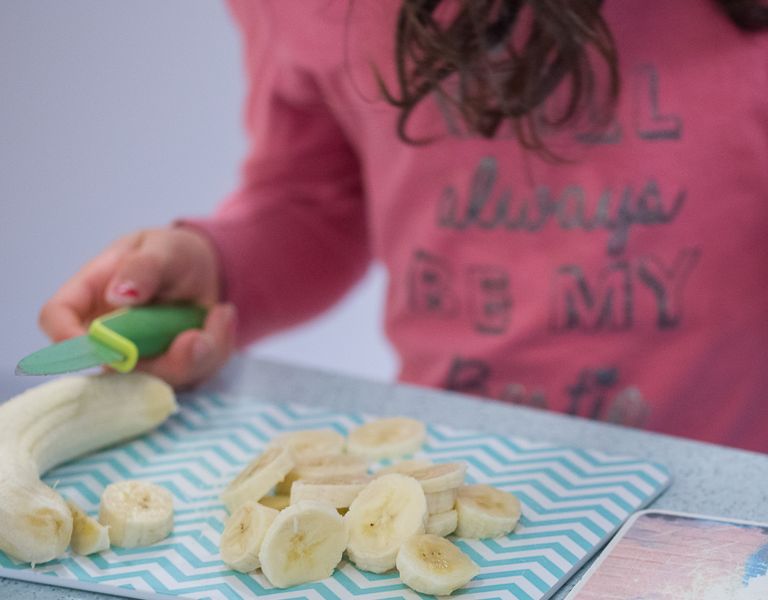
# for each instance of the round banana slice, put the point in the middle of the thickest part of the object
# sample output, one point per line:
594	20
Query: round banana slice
432	565
443	523
138	513
243	535
434	478
321	467
387	512
278	501
311	443
387	438
88	535
339	492
439	502
486	512
256	479
304	543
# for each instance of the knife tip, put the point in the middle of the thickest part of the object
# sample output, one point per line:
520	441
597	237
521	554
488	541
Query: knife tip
20	370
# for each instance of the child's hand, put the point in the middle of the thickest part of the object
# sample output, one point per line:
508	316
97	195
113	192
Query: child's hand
151	266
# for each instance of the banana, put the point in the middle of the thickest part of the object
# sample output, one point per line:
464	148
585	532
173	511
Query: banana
387	512
432	565
443	523
486	512
258	477
434	478
387	438
339	492
304	543
56	422
243	535
321	467
278	501
310	443
138	513
88	535
439	502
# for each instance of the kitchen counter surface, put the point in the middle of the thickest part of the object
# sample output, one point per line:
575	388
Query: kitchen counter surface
706	479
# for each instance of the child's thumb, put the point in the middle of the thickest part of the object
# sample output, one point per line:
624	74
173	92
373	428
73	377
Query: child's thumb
137	279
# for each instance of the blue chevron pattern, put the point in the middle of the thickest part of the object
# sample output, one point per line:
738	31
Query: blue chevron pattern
573	500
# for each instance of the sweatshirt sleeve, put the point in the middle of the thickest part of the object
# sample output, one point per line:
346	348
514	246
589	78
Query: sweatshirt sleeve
292	238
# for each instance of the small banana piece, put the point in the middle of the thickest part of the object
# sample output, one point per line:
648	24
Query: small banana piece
138	513
387	438
434	478
304	543
321	467
258	477
311	443
439	502
88	535
243	535
278	501
486	512
387	512
56	422
443	523
339	492
430	564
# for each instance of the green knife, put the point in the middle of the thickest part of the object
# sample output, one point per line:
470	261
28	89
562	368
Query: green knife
118	339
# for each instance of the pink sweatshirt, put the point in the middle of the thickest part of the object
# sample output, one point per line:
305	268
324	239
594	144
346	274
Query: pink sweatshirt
629	284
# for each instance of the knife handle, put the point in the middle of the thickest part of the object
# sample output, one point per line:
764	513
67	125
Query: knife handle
144	331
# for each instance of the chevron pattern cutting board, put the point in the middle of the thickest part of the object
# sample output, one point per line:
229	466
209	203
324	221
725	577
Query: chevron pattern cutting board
573	500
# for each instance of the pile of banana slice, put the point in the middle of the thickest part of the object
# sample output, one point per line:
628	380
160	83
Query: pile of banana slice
311	496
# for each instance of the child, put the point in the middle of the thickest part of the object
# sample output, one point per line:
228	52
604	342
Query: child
569	198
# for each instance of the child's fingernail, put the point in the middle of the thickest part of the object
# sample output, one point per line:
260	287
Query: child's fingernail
202	348
124	291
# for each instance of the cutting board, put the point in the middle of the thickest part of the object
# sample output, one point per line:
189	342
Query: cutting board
573	501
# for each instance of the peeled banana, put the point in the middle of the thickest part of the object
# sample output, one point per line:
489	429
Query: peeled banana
387	438
431	564
485	512
243	535
339	492
308	444
304	543
88	535
322	467
387	512
137	513
258	477
443	523
56	422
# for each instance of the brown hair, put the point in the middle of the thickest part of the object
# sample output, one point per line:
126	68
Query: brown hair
506	57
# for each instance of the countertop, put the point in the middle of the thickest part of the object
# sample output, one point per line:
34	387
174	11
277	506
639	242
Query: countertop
706	479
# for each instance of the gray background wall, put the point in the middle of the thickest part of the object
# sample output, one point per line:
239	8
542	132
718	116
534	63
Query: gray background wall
118	115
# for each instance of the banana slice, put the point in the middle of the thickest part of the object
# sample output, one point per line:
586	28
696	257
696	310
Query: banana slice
88	535
261	475
339	492
486	512
278	501
138	513
434	478
387	512
304	543
243	535
321	467
432	565
387	438
443	523
311	443
439	502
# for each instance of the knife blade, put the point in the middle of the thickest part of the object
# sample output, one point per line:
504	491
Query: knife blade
117	339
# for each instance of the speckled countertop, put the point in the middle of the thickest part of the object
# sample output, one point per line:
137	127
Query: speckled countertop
707	479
